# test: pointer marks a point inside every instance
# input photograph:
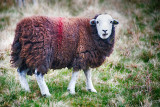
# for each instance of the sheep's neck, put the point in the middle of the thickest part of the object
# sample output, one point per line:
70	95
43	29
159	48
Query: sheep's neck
103	46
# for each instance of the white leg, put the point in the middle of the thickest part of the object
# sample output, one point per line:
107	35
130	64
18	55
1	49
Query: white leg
42	84
89	85
22	79
71	86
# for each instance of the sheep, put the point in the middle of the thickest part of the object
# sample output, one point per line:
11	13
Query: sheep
43	43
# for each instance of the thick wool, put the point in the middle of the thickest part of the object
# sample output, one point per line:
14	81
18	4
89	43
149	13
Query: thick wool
54	43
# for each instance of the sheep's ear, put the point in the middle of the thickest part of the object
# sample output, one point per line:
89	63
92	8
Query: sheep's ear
92	22
115	22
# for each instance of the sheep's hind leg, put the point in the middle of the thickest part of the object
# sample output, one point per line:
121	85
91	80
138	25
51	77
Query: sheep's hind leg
23	80
42	84
71	86
89	85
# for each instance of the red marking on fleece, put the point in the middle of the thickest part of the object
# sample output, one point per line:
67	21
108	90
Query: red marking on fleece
60	31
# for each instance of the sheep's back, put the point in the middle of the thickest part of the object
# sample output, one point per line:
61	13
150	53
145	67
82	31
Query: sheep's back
46	43
66	42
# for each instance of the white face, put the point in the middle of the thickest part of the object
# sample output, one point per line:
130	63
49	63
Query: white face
104	24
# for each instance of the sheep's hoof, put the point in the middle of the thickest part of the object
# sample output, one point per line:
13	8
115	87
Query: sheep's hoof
46	95
92	90
72	92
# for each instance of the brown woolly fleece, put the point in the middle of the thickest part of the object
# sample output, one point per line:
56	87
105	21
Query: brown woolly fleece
44	43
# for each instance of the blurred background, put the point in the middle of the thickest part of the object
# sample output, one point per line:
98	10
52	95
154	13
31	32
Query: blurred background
129	77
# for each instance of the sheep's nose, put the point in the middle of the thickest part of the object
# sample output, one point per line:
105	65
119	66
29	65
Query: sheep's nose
104	31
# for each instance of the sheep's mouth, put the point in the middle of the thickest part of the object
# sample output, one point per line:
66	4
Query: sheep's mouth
105	34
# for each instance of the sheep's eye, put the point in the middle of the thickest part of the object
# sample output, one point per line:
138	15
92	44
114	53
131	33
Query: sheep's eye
110	21
97	22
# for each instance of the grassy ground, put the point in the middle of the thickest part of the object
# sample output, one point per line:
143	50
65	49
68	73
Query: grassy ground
129	77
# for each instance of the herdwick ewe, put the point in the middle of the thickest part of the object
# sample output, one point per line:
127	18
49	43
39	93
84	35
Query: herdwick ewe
43	43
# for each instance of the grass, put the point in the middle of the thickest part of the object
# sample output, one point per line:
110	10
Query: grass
129	77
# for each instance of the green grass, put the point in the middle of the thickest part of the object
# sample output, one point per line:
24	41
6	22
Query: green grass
127	87
129	77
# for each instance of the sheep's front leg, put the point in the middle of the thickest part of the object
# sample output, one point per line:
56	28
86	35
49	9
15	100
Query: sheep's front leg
22	79
89	85
71	86
42	84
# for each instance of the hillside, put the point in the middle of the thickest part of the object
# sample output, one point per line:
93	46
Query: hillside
129	77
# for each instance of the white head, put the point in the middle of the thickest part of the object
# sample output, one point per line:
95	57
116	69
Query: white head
104	23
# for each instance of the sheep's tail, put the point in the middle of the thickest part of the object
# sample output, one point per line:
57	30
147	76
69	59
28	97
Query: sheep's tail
16	61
